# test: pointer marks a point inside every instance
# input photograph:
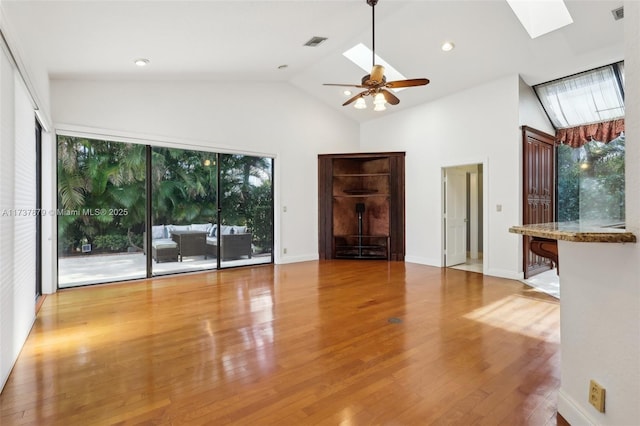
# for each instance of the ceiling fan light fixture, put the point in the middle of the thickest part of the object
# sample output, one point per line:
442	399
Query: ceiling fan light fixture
376	83
360	104
378	102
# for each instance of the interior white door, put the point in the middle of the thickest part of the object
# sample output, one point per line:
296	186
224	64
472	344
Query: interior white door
455	217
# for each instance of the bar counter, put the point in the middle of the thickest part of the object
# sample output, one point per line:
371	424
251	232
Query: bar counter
580	232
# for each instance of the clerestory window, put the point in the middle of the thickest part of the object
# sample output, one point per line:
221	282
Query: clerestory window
587	110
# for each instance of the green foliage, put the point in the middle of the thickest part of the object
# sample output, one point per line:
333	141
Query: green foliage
99	181
109	178
591	182
260	221
111	242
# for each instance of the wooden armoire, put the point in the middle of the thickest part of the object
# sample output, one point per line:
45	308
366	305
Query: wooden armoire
539	191
361	206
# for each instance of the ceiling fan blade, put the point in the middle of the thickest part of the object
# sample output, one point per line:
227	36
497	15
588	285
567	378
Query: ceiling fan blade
407	83
359	95
377	73
390	97
360	86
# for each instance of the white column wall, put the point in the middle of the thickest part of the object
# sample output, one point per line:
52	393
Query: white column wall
600	288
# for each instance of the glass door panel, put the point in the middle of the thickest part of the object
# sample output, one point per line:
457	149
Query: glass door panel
101	211
183	199
245	236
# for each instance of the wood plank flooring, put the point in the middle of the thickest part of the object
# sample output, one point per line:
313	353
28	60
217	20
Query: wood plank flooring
327	343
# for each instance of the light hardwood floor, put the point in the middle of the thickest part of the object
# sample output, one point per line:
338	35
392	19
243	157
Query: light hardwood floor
330	342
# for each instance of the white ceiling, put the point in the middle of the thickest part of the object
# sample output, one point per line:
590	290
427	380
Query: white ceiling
236	41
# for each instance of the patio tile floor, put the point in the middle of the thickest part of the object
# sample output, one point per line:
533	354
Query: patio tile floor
99	268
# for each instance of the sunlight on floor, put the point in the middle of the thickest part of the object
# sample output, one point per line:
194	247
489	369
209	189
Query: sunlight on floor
519	314
547	282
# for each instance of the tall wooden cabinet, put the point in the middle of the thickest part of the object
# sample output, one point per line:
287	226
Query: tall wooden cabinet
361	206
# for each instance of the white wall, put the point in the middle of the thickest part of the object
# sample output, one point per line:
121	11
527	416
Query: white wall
478	125
600	289
273	119
531	112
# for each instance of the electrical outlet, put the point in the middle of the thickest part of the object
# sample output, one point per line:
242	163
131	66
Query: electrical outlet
284	250
596	395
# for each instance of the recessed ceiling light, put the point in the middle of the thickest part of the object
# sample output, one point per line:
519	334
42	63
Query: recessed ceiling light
141	62
347	92
448	46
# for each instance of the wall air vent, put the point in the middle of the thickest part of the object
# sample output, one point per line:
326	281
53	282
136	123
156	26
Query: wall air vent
618	13
315	41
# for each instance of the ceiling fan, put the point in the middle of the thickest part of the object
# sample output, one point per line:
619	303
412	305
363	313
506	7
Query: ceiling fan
376	84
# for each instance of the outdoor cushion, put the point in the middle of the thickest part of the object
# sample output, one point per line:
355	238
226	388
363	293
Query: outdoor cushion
157	232
200	227
172	228
164	243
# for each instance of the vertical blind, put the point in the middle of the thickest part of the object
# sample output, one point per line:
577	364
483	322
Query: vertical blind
17	223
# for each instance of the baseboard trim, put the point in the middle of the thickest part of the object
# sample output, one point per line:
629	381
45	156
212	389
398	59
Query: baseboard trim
569	409
282	260
502	273
423	261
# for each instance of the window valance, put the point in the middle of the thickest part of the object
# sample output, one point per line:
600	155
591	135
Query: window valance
579	135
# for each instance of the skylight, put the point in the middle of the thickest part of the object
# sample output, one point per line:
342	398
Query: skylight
361	56
589	97
541	17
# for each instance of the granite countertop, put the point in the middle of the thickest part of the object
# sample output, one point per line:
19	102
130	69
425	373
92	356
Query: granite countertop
577	232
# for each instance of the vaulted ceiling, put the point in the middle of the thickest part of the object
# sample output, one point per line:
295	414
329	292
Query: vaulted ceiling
238	41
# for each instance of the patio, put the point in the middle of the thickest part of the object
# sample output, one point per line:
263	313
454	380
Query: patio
99	268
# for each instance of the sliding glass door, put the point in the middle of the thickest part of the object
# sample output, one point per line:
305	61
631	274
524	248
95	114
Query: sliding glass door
246	210
205	211
184	200
101	211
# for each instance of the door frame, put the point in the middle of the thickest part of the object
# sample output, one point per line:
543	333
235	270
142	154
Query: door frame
482	225
455	218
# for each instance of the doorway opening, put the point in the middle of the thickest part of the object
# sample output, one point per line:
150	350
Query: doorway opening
462	217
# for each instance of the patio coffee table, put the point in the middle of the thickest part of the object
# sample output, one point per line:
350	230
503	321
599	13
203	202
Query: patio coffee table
190	243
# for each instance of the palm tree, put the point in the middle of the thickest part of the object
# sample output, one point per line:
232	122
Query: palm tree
95	176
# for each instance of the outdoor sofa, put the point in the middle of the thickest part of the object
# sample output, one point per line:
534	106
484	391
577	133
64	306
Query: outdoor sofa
235	242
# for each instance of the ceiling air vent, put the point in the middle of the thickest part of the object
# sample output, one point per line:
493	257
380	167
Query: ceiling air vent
618	13
315	41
